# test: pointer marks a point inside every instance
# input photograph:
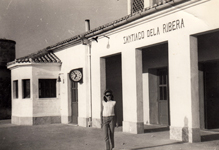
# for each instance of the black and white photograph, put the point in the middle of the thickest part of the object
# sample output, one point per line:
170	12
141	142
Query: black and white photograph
109	75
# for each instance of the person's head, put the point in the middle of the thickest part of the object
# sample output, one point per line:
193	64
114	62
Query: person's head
108	95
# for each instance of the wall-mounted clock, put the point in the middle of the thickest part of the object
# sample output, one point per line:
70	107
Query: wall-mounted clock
76	75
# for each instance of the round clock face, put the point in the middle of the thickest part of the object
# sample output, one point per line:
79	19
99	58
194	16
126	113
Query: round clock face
76	75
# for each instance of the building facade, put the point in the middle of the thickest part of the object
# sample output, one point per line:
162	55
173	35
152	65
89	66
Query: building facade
160	62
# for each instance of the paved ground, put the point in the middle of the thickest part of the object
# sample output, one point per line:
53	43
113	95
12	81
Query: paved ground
70	137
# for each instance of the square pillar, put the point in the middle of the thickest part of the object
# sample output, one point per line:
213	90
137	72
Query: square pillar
84	91
184	93
64	96
132	91
98	88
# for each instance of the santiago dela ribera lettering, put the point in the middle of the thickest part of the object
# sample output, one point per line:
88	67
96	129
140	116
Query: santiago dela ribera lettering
167	27
133	37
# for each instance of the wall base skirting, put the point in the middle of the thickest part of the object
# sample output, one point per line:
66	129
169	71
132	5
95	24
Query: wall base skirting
83	122
185	134
96	123
35	120
22	120
46	120
65	119
133	127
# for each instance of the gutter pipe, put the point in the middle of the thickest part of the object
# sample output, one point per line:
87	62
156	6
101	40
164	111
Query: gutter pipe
88	44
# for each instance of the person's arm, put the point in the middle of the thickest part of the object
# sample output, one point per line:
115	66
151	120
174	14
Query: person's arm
116	117
101	116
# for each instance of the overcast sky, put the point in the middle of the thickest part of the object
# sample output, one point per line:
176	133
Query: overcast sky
36	24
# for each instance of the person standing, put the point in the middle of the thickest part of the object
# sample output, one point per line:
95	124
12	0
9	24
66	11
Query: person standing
108	118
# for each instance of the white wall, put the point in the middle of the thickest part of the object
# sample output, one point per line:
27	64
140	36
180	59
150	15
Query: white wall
45	106
72	58
22	107
164	26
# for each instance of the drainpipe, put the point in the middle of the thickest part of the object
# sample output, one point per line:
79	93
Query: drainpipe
87	28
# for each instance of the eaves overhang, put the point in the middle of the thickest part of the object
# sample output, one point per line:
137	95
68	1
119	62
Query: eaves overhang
32	64
42	57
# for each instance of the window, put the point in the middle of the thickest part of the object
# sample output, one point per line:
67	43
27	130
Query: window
47	88
137	5
26	88
15	89
74	93
163	85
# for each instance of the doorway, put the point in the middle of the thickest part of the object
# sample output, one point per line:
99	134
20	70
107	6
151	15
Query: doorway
159	96
114	82
211	99
74	102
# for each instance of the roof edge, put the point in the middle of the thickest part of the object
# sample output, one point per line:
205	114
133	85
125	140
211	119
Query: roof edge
112	25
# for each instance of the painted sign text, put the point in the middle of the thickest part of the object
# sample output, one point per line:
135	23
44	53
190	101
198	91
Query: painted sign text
133	37
166	27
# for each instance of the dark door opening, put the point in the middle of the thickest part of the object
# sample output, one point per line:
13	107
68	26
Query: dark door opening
114	82
211	101
74	102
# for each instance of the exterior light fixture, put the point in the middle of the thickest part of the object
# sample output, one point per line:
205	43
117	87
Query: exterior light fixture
59	79
108	45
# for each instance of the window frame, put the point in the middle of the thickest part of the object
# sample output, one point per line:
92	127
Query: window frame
134	8
15	89
163	89
47	83
74	92
26	89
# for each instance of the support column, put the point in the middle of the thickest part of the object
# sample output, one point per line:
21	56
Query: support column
184	93
64	84
132	91
84	90
99	78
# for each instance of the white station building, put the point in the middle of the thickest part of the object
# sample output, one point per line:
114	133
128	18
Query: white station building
161	62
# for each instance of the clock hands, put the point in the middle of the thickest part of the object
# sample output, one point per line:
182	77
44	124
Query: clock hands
75	76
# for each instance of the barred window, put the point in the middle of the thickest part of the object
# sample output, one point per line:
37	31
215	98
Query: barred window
47	88
137	5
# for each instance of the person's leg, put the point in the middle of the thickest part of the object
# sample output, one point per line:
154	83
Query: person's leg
105	131
111	131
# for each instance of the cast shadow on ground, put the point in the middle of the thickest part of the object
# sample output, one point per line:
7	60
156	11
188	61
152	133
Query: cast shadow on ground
139	148
160	129
211	137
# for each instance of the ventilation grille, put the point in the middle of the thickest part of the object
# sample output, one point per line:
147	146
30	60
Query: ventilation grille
137	5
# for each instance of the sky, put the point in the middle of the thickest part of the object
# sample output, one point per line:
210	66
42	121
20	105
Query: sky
36	24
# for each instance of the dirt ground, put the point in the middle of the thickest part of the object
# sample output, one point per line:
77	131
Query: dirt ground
70	137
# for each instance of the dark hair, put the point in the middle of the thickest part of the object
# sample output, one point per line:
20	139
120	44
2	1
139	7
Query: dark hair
107	91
